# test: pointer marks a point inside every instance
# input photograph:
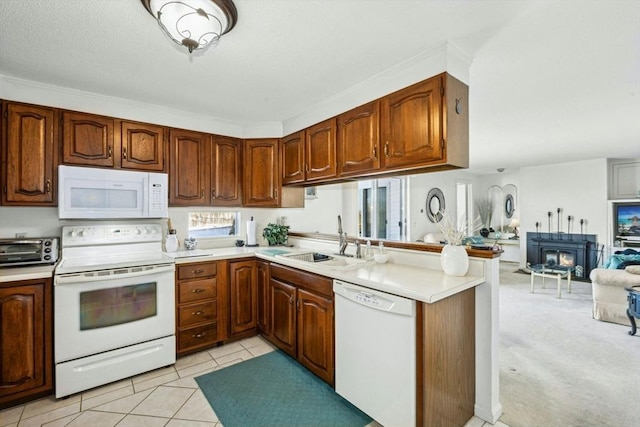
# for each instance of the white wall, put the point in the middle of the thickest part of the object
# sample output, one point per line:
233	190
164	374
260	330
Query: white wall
419	187
578	188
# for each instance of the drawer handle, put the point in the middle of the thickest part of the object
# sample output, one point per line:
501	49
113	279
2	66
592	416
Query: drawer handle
200	335
197	291
197	271
197	313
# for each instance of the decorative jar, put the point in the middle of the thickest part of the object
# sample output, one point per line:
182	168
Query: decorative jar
454	260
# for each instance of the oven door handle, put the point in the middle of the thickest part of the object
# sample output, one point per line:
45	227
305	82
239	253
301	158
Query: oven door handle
95	276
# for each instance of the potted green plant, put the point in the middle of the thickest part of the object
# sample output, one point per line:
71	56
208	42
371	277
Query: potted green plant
275	234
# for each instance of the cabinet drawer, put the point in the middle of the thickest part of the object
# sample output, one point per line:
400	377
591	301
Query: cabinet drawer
302	279
193	271
196	290
197	313
200	336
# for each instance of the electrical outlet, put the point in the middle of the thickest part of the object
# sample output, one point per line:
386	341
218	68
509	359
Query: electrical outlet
21	235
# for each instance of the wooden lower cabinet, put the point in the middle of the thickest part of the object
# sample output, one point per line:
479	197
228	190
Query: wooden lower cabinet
201	305
26	350
302	318
446	360
264	317
243	297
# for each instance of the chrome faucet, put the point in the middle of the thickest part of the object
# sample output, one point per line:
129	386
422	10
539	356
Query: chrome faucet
342	237
358	251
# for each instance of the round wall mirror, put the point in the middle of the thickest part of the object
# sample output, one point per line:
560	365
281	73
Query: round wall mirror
508	206
435	205
510	200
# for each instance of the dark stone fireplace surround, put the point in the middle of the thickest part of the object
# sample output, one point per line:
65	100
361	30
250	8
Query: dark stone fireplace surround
569	250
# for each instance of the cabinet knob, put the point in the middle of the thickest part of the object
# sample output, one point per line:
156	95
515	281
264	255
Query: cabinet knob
48	186
386	149
213	193
375	151
197	271
202	192
197	291
124	153
197	313
200	335
109	151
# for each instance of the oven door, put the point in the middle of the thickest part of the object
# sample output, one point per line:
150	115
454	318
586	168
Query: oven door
105	310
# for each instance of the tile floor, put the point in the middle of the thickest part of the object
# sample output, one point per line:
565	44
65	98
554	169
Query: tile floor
165	397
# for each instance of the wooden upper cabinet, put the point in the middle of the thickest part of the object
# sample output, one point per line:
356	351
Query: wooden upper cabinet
320	149
29	155
261	173
412	125
143	146
293	158
359	140
87	139
189	168
226	174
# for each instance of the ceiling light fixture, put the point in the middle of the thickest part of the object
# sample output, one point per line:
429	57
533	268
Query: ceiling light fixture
195	24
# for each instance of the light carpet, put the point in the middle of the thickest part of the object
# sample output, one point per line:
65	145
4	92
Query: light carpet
559	366
273	390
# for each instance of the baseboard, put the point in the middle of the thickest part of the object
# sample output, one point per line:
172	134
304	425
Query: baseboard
489	416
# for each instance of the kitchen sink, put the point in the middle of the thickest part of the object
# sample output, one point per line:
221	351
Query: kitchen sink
324	260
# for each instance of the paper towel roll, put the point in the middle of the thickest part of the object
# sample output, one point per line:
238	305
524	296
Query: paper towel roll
251	232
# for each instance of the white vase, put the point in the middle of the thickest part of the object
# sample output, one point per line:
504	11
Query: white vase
454	260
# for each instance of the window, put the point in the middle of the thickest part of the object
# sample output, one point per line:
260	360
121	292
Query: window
213	224
381	208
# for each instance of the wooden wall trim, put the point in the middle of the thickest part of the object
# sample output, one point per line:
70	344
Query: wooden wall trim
417	246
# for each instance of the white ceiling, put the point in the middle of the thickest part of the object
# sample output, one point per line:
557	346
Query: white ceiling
550	81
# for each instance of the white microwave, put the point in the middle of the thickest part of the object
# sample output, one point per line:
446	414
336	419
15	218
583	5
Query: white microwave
94	193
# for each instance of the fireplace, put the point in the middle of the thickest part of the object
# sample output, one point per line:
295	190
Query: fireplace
579	251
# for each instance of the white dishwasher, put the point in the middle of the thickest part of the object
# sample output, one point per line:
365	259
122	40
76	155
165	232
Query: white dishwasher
376	353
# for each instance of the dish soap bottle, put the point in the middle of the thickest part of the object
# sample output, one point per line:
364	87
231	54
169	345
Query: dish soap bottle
368	252
171	243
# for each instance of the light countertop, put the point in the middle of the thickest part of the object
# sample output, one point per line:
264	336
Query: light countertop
418	283
14	274
421	284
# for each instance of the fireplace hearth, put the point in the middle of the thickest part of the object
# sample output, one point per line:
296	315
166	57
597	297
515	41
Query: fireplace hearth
579	251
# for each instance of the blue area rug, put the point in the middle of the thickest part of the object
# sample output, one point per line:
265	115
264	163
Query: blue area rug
273	390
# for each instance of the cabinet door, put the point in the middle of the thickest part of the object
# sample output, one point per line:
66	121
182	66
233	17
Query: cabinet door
29	154
264	320
25	343
243	296
315	334
143	146
189	168
359	140
292	159
226	179
261	173
88	140
283	316
412	125
321	150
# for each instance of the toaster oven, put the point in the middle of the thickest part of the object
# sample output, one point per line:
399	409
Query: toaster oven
24	252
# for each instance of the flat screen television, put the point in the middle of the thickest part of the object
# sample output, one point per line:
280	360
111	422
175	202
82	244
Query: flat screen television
627	219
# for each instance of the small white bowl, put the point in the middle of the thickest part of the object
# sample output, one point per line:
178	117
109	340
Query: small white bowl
381	258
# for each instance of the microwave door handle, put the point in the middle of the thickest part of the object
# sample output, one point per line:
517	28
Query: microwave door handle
145	196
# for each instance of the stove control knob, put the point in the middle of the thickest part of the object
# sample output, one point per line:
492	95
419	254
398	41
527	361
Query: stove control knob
73	233
82	233
138	231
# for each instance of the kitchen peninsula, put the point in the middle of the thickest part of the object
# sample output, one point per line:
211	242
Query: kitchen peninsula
456	317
